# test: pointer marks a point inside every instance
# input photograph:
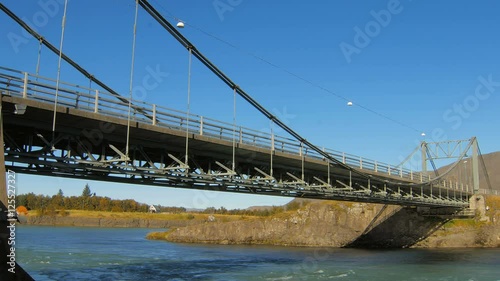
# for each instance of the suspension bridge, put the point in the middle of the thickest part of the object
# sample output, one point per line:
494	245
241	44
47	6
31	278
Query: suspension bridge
55	128
50	127
90	143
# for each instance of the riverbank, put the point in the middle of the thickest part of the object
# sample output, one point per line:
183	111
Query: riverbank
347	224
123	219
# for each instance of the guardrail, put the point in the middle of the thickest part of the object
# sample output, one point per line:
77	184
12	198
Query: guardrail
488	192
36	87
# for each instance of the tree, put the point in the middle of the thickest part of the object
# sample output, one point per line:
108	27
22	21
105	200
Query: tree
69	203
210	210
86	191
31	201
104	204
222	210
21	200
58	199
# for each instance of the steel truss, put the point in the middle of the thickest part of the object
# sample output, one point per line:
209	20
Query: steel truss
69	156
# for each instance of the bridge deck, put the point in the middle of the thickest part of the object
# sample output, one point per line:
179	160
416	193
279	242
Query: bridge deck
90	142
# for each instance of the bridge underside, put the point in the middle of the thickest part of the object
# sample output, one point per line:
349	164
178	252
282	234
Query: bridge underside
92	146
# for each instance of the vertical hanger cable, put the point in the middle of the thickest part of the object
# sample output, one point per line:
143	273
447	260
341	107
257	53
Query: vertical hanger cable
131	82
58	73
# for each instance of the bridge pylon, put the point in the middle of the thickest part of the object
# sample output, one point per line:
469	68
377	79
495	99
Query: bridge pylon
464	170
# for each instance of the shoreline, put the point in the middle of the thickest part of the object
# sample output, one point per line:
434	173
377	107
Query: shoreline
351	225
102	222
120	219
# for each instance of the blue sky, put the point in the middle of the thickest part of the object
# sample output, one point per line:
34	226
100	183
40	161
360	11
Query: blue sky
431	66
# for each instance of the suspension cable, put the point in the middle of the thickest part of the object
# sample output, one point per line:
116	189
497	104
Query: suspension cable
188	105
90	92
59	72
38	60
295	75
409	157
75	65
216	71
37	70
187	44
333	161
484	168
131	81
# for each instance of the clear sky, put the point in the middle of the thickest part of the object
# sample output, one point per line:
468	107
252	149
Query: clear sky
407	66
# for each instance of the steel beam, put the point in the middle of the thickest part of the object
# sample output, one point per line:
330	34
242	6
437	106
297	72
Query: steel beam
475	165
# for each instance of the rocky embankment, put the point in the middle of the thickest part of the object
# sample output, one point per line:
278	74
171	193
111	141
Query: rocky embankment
345	224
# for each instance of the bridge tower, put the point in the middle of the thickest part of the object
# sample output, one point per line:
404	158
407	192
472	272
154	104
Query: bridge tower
455	149
475	165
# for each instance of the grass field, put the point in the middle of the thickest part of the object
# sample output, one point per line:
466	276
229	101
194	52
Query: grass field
152	216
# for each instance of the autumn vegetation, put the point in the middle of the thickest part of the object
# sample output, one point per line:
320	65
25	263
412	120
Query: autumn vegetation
89	203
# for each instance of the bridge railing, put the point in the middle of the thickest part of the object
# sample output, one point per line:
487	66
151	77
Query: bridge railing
488	192
29	86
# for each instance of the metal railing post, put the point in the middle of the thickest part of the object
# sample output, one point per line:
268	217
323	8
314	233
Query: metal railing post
272	142
201	125
25	85
154	114
96	102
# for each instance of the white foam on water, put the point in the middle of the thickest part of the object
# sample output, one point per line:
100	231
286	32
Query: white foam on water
342	275
338	276
280	278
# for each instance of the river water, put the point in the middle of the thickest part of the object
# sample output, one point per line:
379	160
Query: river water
72	253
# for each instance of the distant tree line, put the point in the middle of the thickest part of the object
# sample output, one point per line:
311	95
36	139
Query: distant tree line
265	211
88	201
